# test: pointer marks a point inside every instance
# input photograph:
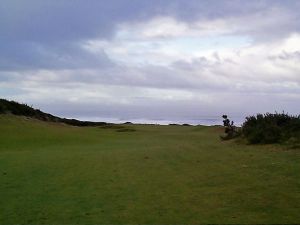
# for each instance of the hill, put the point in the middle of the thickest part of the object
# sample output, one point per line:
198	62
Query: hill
15	108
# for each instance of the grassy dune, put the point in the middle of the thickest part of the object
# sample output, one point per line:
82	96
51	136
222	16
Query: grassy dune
53	173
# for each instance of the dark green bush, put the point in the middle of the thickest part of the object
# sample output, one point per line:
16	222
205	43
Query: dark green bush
271	128
2	110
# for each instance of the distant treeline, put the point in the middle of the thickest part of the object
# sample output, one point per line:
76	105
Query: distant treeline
15	108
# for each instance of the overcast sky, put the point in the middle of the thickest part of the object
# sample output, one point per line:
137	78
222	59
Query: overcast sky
158	59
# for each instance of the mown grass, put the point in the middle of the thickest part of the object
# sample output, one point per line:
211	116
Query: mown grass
57	174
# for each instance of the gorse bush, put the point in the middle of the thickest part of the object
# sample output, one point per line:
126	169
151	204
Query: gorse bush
23	110
271	128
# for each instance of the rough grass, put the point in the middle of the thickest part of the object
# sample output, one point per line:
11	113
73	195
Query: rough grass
57	174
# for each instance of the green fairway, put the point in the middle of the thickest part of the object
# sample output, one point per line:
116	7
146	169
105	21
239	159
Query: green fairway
52	173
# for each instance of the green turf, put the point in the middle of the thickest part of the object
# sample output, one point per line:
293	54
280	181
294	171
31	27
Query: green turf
57	174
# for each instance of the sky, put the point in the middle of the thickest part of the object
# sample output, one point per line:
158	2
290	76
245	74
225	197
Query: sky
172	60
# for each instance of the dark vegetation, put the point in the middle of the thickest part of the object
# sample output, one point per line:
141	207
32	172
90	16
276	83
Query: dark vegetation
15	108
268	128
118	128
125	130
272	128
231	131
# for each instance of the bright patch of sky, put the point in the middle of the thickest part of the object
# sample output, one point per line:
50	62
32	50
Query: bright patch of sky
128	49
163	41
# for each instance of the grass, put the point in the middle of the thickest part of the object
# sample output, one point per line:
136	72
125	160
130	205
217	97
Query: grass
52	173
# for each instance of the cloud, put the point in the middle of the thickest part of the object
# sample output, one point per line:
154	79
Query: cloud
50	34
48	21
30	55
216	73
160	58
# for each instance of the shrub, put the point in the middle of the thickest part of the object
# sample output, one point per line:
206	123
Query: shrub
2	110
231	131
271	128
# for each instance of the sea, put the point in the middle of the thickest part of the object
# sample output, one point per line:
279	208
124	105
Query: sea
206	121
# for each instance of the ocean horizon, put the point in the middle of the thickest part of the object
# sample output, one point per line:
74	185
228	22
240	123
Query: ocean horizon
206	121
